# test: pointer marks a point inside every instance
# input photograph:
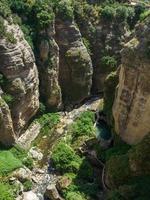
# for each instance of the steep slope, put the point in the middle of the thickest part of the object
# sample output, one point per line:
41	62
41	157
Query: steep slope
131	108
19	81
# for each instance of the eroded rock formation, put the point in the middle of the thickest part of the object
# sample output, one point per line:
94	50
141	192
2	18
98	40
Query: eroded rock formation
17	65
48	63
75	68
131	108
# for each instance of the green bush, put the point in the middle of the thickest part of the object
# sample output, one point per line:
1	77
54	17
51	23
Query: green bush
144	15
44	16
27	185
64	9
4	9
122	13
83	126
74	196
28	162
6	193
108	13
8	162
108	63
8	98
48	121
18	152
65	159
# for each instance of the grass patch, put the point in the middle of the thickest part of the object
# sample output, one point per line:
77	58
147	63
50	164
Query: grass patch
8	162
6	192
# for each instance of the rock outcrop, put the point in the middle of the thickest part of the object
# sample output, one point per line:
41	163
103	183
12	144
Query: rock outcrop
131	108
17	66
48	64
75	65
7	135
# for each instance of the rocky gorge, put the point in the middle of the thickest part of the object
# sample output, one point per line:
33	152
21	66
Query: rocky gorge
60	63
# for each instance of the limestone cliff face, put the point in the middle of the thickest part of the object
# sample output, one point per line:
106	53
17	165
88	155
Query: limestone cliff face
17	65
48	64
131	108
75	65
7	135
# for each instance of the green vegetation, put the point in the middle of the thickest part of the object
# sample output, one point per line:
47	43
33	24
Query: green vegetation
8	98
108	13
27	185
65	159
83	126
8	162
14	158
108	63
48	122
6	192
77	168
129	172
144	15
4	34
74	196
64	9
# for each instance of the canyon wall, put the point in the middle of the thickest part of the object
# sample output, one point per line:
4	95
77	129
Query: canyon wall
131	108
19	83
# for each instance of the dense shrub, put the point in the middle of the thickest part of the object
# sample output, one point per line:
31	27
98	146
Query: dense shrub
48	121
4	9
8	98
122	13
6	193
108	13
65	159
83	126
144	15
27	185
74	196
108	63
64	9
43	13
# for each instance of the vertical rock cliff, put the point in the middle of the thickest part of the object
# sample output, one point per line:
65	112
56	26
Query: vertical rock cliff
48	64
75	65
131	108
19	77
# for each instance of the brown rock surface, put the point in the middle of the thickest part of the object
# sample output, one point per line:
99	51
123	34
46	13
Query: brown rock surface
131	108
75	66
48	64
17	64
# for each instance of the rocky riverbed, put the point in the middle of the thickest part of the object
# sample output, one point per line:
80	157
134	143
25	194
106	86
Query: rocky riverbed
43	175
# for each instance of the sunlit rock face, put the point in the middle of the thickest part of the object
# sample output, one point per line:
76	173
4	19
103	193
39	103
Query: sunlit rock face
131	108
17	65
